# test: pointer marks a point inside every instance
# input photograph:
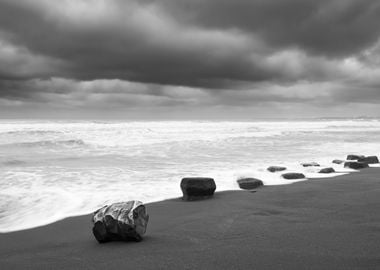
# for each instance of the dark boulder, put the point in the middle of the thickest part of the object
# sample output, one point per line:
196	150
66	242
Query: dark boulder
249	183
276	168
338	161
369	160
291	176
354	157
120	221
310	164
327	170
197	188
355	165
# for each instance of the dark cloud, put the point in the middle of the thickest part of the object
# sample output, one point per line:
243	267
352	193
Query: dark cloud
144	42
92	54
135	42
326	27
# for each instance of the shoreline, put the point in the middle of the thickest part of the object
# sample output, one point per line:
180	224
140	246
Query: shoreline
46	165
263	176
322	223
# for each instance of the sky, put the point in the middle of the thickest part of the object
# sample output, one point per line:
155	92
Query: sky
189	59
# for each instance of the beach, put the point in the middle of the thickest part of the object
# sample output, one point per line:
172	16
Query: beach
326	223
189	134
45	164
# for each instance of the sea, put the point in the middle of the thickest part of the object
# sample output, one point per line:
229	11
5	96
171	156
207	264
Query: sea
50	170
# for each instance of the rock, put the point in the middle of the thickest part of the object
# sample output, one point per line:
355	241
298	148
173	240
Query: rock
310	164
369	160
276	168
120	221
327	170
249	183
355	165
337	161
290	176
197	188
354	157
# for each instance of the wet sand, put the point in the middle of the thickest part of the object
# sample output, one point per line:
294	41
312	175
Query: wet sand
317	224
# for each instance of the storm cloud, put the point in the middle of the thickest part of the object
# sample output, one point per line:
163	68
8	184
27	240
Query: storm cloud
210	56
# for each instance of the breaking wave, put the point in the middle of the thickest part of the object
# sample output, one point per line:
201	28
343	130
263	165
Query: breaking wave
14	162
32	132
47	143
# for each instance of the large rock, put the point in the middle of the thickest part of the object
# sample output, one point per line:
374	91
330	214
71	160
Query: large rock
338	161
369	160
120	221
354	157
327	170
197	188
356	165
291	176
310	164
249	183
276	168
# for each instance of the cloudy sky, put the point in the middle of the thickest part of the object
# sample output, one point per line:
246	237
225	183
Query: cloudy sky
174	59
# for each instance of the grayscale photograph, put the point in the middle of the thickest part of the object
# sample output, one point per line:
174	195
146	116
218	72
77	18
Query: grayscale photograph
189	134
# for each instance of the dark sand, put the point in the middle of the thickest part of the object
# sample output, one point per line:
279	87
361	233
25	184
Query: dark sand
318	224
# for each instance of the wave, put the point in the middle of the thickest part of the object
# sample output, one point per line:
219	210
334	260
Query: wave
32	132
48	143
14	162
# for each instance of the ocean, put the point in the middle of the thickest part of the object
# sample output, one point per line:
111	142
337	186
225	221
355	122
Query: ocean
50	170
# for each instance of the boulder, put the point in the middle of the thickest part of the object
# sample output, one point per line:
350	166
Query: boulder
291	176
338	161
327	170
369	160
276	168
310	164
197	188
355	165
354	157
120	221
249	183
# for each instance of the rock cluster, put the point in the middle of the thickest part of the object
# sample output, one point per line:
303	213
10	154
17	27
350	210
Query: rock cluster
369	160
129	220
360	161
120	221
355	165
354	157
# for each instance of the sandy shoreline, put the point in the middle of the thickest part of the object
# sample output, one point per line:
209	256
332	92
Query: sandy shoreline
327	223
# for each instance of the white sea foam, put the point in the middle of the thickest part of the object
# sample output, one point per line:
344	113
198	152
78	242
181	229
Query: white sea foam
52	170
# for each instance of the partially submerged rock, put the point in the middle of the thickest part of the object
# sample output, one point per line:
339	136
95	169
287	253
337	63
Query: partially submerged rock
197	188
120	221
355	165
291	176
327	170
276	168
369	160
338	161
354	157
310	164
249	183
